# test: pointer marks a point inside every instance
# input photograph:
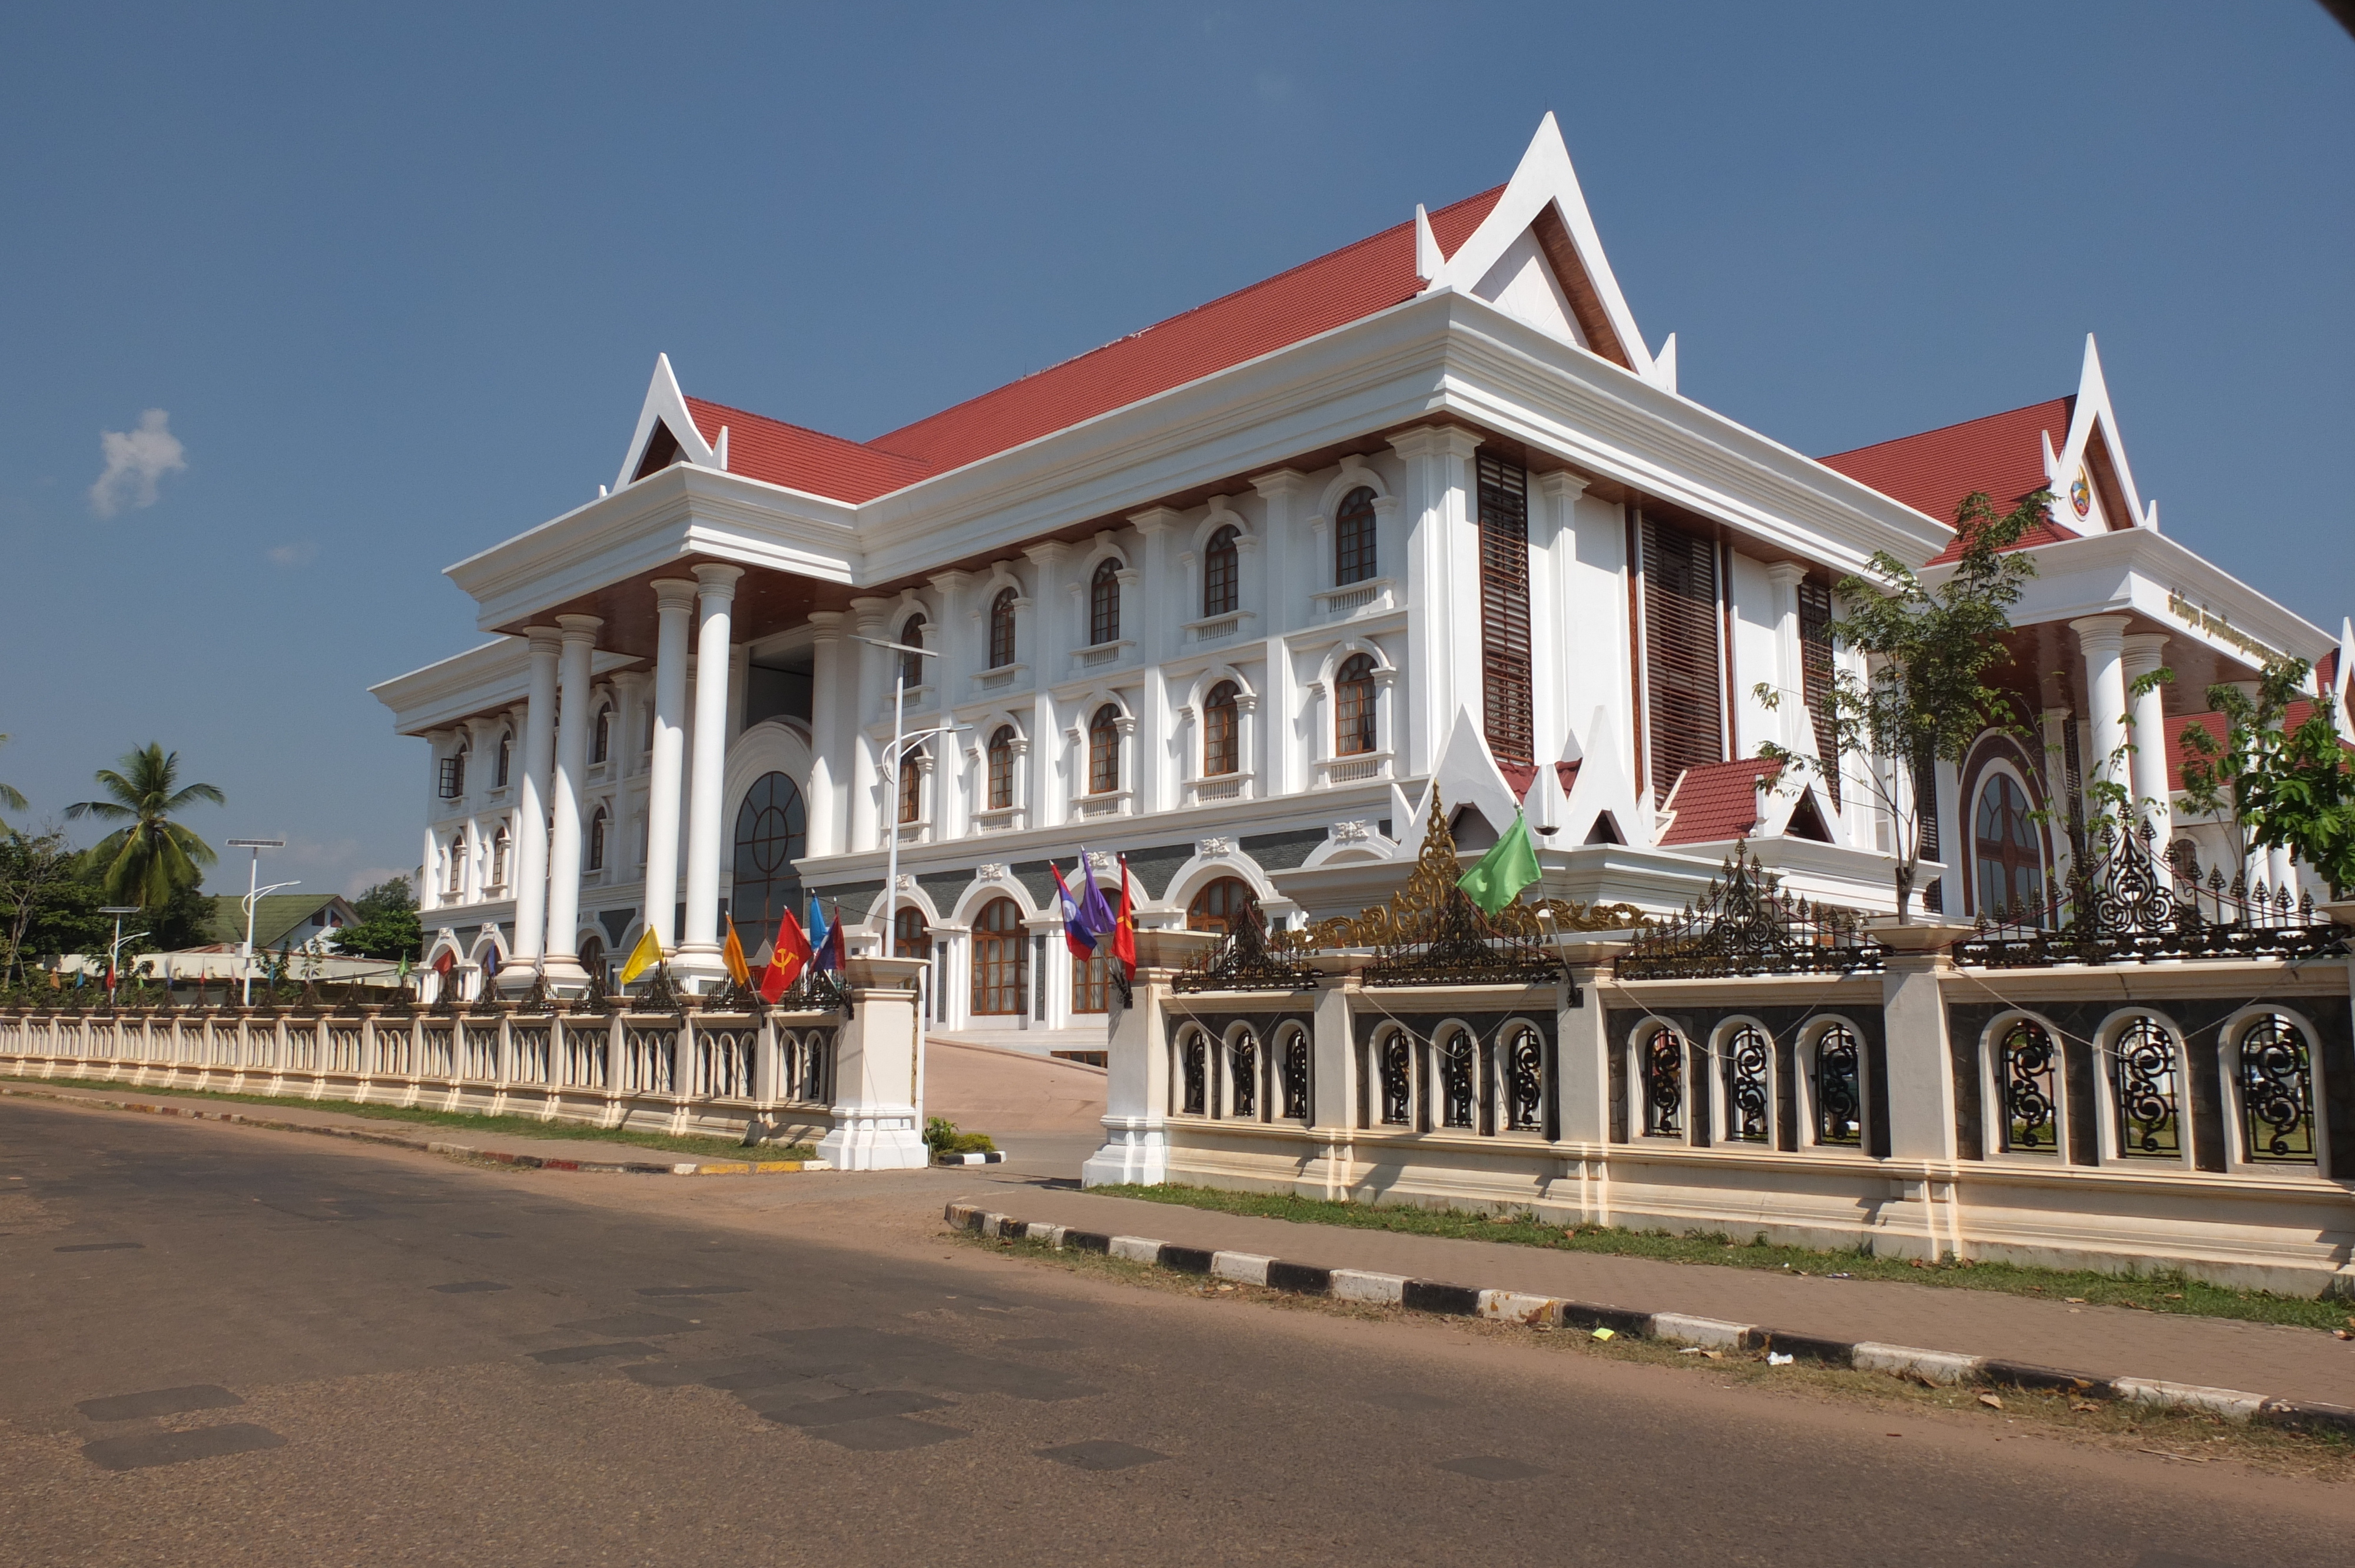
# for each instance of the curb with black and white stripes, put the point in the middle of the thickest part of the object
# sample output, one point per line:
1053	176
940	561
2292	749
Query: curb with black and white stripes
994	1157
1675	1328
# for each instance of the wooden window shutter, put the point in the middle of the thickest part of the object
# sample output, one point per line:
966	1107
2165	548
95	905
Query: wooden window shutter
1815	670
1504	501
1682	670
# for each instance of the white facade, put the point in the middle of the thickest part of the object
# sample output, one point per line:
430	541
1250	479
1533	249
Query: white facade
700	624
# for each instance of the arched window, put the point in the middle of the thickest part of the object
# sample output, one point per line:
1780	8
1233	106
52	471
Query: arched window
1103	602
2010	856
1839	1087
2274	1078
1353	538
1660	1070
1001	630
500	843
1001	960
601	736
1001	768
1219	905
1749	1103
2028	1083
1103	751
771	832
910	935
912	665
1221	574
1353	706
912	785
597	839
1221	732
456	881
506	754
2143	1081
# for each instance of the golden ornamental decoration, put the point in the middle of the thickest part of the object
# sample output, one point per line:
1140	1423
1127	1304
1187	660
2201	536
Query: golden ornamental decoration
1413	913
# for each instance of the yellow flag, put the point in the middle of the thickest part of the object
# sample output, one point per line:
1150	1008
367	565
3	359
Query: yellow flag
734	954
643	956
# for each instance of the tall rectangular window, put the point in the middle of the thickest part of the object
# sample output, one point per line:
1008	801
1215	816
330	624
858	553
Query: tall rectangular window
1815	671
1504	501
1683	678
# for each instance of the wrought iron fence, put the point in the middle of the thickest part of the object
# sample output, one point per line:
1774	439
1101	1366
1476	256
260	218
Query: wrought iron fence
1247	960
2126	905
1747	924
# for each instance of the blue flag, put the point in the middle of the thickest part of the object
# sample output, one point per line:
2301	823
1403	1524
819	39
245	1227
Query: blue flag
821	937
1078	935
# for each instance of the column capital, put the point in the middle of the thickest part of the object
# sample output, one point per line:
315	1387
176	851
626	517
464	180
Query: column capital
579	627
2145	652
828	624
1155	520
1561	484
1046	552
673	593
1786	574
1282	482
542	637
951	582
2102	633
1435	440
717	580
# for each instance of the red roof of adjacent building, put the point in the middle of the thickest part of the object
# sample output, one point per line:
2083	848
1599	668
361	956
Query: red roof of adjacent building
2292	715
1332	291
2001	455
1716	801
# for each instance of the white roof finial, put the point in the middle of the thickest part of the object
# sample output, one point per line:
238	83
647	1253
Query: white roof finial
1427	259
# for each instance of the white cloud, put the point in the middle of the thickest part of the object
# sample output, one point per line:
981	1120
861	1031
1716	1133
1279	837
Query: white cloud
135	460
294	553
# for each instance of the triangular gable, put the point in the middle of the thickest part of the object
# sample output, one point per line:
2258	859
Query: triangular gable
1542	216
664	414
2092	488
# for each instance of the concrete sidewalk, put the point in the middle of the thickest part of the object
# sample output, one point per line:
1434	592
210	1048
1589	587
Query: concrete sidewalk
592	1155
2114	1342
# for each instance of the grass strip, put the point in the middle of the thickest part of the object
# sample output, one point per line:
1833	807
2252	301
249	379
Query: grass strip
2185	1437
517	1126
2160	1291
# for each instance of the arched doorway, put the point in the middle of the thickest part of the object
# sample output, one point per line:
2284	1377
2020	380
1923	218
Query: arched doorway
2008	850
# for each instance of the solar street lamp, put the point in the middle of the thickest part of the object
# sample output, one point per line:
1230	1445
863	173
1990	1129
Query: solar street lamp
252	896
114	949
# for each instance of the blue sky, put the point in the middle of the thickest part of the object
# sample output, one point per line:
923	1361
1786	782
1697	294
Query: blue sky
396	278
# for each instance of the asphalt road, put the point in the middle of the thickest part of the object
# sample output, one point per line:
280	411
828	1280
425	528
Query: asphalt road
232	1346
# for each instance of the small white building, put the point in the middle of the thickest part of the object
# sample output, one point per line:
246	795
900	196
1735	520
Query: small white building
1229	597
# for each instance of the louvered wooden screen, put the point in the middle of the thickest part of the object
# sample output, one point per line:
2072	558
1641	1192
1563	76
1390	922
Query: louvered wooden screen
1816	672
1504	609
1681	666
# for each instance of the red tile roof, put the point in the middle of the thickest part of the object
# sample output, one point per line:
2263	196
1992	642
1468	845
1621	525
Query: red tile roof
2294	714
1332	291
812	460
1935	471
1716	801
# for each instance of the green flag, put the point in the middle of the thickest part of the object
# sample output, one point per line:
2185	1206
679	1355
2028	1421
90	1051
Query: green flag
1502	873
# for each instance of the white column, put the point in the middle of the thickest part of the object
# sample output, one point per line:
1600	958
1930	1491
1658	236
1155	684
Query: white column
869	813
1282	605
1049	657
1443	588
2102	640
674	603
1793	729
2146	652
560	964
1157	616
699	948
1553	547
825	800
529	872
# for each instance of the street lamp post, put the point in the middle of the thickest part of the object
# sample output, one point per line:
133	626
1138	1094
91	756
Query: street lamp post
895	757
253	895
114	949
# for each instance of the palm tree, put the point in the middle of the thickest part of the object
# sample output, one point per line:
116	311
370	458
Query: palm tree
9	798
151	857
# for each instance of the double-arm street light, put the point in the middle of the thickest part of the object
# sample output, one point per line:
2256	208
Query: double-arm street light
114	949
252	897
895	757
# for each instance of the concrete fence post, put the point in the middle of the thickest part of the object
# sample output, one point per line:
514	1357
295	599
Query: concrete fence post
874	1106
1136	1087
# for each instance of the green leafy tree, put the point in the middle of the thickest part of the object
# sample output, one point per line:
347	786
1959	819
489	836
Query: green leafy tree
2277	786
151	857
1928	652
9	797
388	926
47	904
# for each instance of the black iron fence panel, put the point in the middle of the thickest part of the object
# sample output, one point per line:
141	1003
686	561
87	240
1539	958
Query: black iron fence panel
1746	924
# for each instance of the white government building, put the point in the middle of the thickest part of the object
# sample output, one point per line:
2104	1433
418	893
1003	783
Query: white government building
1231	595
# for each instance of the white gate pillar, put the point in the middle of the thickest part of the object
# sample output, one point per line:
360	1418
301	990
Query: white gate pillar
875	1071
1136	1090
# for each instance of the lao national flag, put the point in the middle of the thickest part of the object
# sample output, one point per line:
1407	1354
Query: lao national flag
1078	935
